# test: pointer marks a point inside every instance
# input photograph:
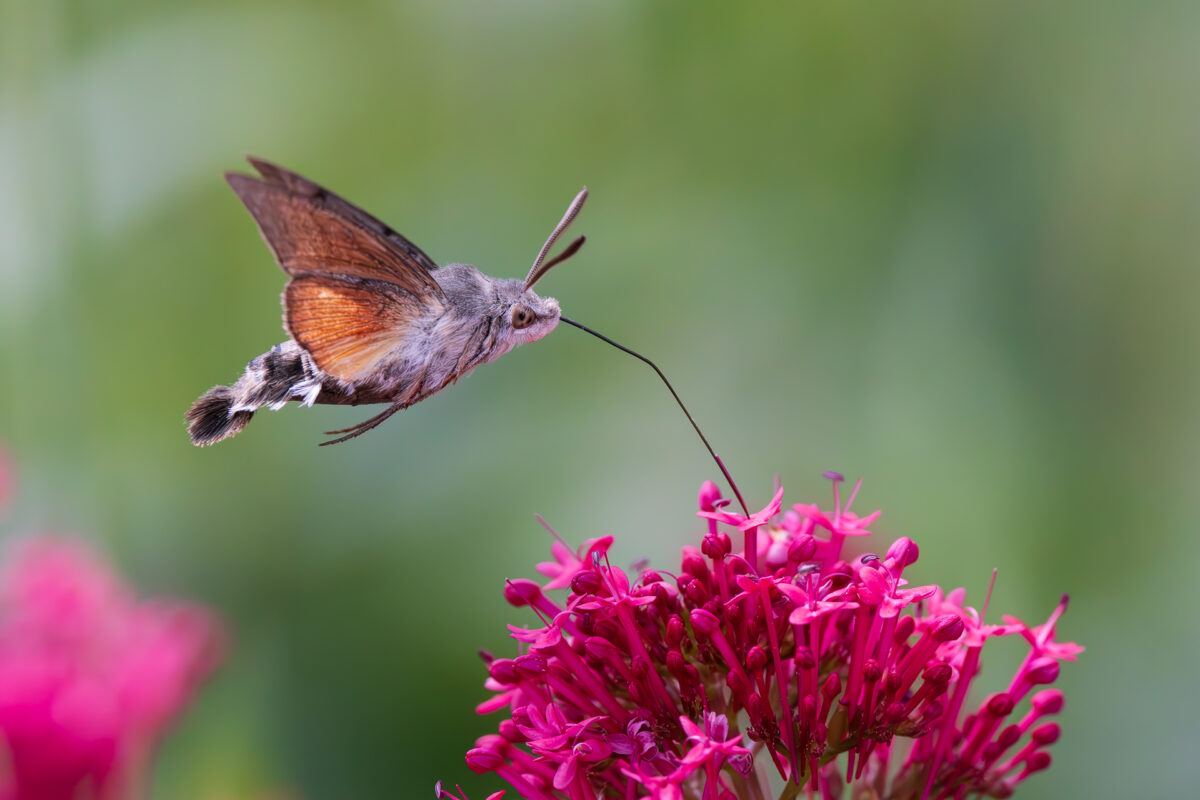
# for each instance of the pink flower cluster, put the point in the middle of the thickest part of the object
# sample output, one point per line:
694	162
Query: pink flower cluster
89	675
778	669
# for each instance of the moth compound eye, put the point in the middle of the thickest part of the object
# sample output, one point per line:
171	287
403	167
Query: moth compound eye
522	317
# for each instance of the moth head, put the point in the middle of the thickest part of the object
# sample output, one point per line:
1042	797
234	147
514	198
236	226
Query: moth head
530	317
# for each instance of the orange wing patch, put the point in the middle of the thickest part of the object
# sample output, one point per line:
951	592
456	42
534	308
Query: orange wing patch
347	328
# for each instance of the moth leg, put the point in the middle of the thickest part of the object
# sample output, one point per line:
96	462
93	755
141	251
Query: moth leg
411	395
387	412
363	427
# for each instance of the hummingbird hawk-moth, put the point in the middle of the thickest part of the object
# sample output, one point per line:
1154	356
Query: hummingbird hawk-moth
370	318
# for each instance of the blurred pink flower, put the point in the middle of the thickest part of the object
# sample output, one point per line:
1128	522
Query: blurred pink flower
89	675
832	673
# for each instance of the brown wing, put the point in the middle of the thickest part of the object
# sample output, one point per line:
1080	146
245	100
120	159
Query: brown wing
347	327
310	229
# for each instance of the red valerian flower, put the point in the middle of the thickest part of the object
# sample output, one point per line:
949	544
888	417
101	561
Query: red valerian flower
781	659
90	675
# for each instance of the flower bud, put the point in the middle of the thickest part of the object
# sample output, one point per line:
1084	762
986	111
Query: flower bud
808	709
716	545
754	706
893	713
675	631
1009	736
695	565
756	658
801	548
1042	670
482	761
999	704
1047	701
736	683
804	658
1047	734
509	730
488	754
903	552
587	582
1038	761
504	671
832	686
697	592
522	592
947	628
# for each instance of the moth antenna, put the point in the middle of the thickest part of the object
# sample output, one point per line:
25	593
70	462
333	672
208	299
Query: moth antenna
563	224
567	252
675	394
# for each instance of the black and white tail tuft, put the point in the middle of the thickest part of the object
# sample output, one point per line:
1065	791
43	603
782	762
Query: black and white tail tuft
209	419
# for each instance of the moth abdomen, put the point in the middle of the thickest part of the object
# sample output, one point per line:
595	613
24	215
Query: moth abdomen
283	373
272	378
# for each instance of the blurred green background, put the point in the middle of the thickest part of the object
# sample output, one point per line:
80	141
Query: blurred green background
948	247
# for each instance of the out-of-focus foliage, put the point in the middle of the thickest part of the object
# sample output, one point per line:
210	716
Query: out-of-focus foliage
950	248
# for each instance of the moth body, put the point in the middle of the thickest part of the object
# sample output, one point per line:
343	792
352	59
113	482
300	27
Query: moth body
370	318
471	327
